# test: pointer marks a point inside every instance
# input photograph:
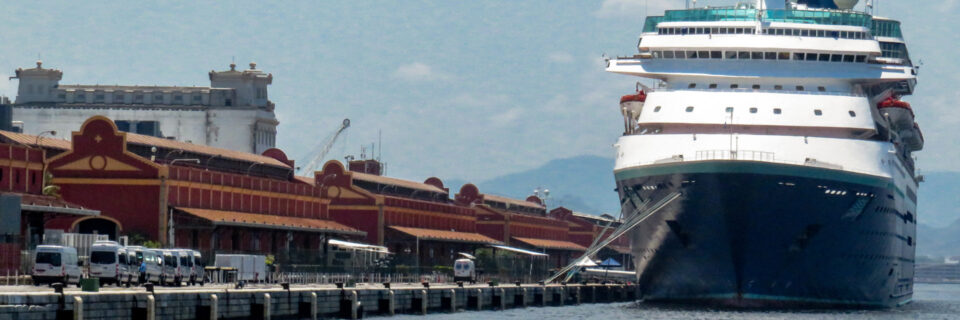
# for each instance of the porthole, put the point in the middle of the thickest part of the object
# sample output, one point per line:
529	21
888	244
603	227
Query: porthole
729	109
753	110
822	89
657	109
818	112
713	86
692	85
799	88
734	86
852	113
777	111
756	87
778	87
689	109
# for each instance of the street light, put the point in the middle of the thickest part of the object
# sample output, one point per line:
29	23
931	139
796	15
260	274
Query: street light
197	161
40	136
251	167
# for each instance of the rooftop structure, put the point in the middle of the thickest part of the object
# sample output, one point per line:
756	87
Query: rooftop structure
234	112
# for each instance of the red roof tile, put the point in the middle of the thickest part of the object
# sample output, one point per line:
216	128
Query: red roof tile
31	140
219	217
396	182
511	201
445	235
551	244
133	138
48	204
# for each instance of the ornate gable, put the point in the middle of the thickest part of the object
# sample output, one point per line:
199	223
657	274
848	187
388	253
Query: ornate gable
100	151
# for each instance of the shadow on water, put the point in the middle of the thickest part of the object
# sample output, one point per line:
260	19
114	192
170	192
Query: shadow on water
930	302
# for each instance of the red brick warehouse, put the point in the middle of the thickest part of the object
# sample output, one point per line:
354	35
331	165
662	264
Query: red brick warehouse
207	198
415	220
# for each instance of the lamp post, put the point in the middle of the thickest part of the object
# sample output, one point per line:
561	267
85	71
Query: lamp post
251	167
197	161
40	136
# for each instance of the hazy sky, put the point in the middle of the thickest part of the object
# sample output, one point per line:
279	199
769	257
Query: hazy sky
460	89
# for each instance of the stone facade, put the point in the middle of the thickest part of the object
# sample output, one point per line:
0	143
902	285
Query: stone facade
234	112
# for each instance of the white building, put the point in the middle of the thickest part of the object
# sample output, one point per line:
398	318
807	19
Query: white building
234	112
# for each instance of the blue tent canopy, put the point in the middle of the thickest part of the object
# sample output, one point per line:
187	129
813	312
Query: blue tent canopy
609	263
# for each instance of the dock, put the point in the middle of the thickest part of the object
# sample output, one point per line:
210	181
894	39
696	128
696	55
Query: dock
300	302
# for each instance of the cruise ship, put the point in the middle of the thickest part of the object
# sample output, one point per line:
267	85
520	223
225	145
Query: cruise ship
781	127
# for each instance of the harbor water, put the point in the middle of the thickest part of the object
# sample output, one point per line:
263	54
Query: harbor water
930	301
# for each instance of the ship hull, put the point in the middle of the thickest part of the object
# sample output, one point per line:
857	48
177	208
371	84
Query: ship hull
753	234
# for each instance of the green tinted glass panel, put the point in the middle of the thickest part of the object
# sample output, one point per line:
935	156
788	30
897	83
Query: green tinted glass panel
792	16
886	28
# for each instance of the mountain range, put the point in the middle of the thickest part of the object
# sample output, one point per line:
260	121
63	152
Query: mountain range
585	184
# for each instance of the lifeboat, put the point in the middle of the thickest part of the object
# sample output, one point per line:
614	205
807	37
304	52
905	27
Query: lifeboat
913	138
898	113
630	107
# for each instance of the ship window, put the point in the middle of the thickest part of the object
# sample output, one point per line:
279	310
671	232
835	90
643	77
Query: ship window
822	89
657	109
836	58
777	111
98	98
821	33
734	86
715	31
770	55
824	57
679	54
731	54
753	110
743	55
689	109
757	55
848	58
713	86
783	56
811	57
81	97
729	109
716	54
668	54
756	87
799	88
739	30
861	59
157	99
692	85
818	112
798	56
778	87
691	54
703	54
804	33
779	32
749	30
138	98
852	113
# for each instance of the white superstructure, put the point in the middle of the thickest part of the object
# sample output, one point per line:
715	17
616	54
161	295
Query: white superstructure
234	112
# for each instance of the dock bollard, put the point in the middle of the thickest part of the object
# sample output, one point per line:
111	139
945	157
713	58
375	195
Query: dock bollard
559	301
151	308
77	308
524	295
214	301
579	296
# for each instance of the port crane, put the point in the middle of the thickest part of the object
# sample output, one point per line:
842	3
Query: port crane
321	150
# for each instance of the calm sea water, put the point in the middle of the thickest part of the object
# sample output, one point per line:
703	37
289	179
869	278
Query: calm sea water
930	301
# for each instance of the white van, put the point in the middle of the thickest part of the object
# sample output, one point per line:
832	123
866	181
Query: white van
172	272
464	270
153	263
105	262
56	264
198	268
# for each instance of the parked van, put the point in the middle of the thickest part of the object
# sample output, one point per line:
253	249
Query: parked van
464	270
199	272
172	271
105	262
153	266
56	264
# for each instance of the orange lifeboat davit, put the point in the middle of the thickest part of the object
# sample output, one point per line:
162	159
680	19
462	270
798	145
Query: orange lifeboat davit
630	106
899	113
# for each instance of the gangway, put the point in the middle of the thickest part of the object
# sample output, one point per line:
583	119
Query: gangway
640	214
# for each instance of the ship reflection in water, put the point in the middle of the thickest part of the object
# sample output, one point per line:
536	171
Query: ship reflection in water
931	301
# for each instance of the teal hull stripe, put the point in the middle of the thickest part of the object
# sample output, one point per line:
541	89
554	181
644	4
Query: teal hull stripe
756	167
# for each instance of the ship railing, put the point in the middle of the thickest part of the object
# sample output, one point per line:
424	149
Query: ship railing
744	155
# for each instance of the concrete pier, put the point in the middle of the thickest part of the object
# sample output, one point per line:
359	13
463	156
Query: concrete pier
298	302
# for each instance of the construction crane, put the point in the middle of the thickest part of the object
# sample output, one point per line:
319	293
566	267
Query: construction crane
320	151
